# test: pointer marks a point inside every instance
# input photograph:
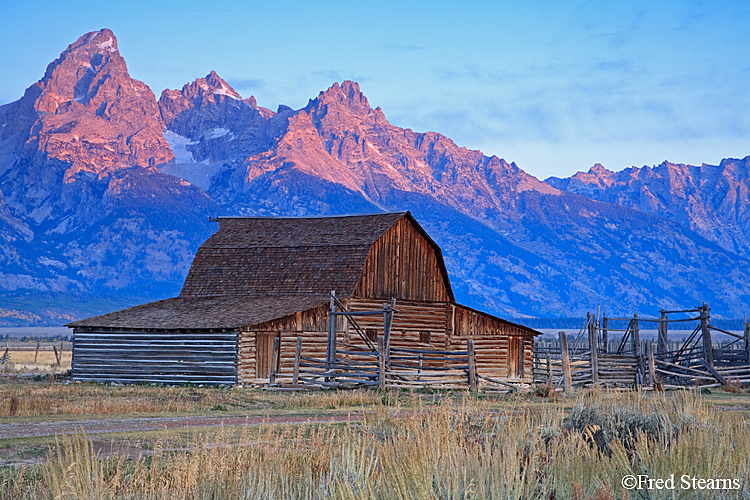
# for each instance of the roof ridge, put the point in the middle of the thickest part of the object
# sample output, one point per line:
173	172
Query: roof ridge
293	217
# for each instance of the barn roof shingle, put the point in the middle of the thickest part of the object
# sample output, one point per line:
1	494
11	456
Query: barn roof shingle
199	313
261	256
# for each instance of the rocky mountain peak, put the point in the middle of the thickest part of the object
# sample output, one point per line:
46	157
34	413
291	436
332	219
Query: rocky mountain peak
344	99
209	91
85	119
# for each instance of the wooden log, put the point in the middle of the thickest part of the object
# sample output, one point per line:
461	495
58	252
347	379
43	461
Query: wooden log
297	354
331	339
685	375
594	348
274	357
381	363
567	380
708	349
472	365
716	374
636	332
651	368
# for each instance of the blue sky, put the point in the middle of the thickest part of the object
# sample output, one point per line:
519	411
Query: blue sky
555	88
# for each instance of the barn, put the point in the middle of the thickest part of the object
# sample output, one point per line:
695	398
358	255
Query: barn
264	278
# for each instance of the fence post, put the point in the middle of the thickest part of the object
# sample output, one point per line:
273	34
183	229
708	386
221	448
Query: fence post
331	345
661	345
637	349
297	356
605	333
708	348
381	363
594	348
36	353
747	337
57	356
274	356
472	365
387	322
567	378
651	367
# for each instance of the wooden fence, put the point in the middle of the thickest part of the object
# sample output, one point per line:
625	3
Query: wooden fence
375	363
594	357
395	368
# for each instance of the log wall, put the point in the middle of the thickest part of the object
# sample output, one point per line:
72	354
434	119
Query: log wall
161	356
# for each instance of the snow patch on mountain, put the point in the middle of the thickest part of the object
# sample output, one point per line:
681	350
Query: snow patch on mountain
217	132
179	144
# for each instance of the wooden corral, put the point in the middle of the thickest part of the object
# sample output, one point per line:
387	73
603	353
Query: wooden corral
267	287
597	357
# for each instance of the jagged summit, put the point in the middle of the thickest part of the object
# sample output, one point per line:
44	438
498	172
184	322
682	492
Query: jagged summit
712	200
86	203
79	156
211	90
208	121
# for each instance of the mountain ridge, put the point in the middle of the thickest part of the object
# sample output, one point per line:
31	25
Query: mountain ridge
107	191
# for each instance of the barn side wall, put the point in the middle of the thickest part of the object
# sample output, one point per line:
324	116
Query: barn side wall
491	339
403	264
447	326
155	356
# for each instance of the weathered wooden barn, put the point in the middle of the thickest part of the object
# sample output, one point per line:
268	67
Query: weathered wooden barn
257	279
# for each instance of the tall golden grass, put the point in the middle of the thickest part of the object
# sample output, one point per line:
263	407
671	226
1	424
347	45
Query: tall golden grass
44	361
36	399
447	451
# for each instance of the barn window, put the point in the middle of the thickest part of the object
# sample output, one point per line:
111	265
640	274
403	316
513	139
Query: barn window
424	337
372	334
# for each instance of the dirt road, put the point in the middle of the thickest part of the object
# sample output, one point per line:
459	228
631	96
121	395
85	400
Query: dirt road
107	426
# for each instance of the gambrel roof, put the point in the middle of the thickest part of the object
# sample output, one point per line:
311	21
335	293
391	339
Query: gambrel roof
286	256
254	270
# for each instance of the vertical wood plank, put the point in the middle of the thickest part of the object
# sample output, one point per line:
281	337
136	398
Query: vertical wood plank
274	360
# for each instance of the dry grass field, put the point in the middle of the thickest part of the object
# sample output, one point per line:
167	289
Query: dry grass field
24	357
409	445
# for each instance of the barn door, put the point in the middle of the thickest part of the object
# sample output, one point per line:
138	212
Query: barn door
515	357
264	352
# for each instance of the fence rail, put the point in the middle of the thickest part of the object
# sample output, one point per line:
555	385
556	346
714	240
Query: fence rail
599	358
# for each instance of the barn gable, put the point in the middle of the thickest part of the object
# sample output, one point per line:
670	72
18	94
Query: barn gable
404	263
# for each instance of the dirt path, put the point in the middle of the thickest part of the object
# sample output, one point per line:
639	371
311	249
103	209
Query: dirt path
106	426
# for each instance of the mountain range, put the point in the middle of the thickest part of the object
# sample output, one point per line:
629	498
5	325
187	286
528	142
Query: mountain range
106	193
